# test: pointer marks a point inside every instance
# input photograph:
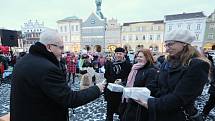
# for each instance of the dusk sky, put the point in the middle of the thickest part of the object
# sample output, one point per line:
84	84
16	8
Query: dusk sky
14	13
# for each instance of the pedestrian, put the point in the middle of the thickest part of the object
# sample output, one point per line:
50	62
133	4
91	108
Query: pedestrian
117	69
141	74
39	91
210	104
71	62
181	80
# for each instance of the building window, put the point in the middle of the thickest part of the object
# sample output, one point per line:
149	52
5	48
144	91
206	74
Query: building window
198	26
188	26
159	27
211	26
197	36
130	37
123	37
144	37
66	39
169	28
61	29
152	27
210	36
65	28
72	28
150	37
179	25
76	27
158	37
93	21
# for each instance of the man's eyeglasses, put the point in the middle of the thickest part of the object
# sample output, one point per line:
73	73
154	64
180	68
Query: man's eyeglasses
60	47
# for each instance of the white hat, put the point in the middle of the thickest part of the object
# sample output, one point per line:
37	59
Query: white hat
50	36
180	35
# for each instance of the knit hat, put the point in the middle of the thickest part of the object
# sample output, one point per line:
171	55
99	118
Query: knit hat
119	49
180	35
50	36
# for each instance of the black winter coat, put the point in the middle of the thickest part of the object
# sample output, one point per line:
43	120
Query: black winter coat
39	91
116	70
212	84
133	110
176	89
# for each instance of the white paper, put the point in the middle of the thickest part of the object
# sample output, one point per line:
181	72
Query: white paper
115	87
137	93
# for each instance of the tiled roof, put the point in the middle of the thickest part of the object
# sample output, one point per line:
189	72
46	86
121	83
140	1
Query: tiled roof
184	16
155	22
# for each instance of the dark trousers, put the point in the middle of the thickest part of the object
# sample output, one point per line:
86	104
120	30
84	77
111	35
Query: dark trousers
111	110
73	77
210	104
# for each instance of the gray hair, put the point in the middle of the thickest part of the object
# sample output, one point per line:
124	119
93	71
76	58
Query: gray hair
50	36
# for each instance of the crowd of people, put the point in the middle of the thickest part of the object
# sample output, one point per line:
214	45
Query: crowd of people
41	80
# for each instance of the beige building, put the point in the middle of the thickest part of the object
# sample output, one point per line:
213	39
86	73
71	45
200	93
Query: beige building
210	32
70	31
146	34
112	35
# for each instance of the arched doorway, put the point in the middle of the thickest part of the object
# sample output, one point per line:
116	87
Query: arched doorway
111	48
213	47
209	46
98	48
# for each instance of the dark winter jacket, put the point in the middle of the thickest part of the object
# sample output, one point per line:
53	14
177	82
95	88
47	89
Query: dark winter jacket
133	110
39	91
176	90
116	70
212	83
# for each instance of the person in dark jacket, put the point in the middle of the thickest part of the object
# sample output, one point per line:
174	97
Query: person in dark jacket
141	74
181	80
117	69
39	90
210	104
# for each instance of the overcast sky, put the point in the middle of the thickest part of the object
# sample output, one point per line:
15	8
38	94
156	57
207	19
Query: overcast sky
14	13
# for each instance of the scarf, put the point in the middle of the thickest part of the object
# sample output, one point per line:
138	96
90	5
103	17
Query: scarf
132	74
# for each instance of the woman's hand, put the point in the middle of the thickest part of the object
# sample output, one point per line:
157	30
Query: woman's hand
143	103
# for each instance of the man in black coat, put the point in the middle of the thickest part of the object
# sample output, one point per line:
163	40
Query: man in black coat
39	91
119	69
210	104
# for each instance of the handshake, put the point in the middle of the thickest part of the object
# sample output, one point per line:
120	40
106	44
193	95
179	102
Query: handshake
101	85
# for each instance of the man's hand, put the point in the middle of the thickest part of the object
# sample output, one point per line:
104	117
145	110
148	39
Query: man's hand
101	86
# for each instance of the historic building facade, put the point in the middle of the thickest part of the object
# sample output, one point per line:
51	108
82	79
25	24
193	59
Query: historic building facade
195	22
112	35
146	34
210	32
31	33
70	31
93	30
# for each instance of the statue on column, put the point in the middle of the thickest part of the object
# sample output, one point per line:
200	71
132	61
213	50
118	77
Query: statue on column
98	8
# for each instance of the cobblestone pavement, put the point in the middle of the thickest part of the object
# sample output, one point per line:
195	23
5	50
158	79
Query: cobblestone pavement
93	111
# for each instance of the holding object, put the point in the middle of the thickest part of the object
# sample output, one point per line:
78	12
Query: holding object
137	93
115	87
